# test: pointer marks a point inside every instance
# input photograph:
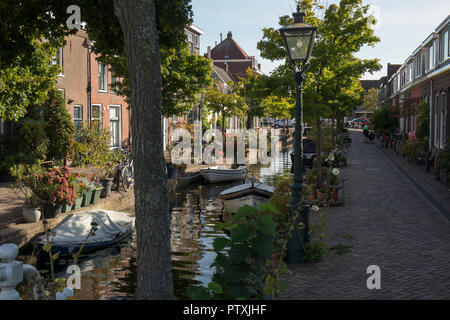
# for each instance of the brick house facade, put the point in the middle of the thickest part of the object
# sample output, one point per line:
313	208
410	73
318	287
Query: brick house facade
424	77
86	86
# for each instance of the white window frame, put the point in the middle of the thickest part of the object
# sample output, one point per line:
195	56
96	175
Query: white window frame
105	79
446	45
100	120
120	125
58	59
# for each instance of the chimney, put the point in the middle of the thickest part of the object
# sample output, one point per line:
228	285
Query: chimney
209	52
221	37
229	35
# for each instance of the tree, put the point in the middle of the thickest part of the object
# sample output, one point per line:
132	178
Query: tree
138	21
27	82
138	32
371	99
226	104
344	29
278	107
58	125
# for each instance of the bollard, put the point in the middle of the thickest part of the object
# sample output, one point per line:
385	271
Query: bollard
11	272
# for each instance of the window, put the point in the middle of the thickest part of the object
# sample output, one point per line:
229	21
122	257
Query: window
102	77
115	125
77	118
446	45
431	57
96	115
57	59
191	41
114	83
197	41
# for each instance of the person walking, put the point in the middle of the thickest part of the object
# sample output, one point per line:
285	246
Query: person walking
366	132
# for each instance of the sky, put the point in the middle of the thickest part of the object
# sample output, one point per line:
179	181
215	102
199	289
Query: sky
402	25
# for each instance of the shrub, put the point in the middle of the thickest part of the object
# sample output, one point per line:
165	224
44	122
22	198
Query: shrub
92	148
59	127
55	187
242	260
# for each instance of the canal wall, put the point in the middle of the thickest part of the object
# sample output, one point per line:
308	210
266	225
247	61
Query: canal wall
21	234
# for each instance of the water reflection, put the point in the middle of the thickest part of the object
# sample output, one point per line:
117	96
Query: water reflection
111	273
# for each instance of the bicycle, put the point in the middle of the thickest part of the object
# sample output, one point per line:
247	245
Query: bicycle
125	174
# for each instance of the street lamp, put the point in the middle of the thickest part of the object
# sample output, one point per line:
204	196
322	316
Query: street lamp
299	39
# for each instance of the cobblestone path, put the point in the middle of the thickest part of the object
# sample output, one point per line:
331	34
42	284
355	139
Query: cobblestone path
388	223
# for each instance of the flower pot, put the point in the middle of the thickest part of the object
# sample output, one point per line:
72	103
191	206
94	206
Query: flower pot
322	196
66	208
107	185
87	199
96	195
77	204
31	215
335	194
51	211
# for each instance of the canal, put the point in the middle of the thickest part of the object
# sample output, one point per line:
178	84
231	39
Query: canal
111	273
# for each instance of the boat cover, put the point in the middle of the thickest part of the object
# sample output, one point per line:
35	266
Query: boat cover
248	186
75	227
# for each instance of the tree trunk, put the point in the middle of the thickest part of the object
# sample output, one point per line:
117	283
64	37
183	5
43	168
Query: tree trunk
154	272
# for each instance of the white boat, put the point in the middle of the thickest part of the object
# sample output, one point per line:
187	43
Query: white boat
245	194
223	174
69	235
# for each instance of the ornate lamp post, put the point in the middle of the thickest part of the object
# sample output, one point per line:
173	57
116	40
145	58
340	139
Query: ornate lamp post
299	38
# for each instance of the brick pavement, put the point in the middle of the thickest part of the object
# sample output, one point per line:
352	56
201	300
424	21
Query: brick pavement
392	224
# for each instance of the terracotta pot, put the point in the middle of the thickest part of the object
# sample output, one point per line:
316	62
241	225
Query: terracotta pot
31	215
335	194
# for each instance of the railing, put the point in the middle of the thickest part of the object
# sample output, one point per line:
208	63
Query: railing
13	272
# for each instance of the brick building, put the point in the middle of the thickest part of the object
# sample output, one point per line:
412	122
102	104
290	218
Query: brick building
88	88
424	77
229	56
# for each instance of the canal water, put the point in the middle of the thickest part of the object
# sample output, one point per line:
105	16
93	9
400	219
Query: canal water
111	273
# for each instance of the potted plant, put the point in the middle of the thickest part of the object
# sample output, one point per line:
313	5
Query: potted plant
323	194
96	193
55	189
107	179
27	181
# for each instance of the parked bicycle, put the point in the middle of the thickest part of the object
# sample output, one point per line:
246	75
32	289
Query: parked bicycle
124	177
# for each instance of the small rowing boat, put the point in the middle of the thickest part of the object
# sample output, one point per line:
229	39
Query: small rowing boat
68	237
223	174
245	194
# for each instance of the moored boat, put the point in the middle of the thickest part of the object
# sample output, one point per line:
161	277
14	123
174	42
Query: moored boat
222	174
245	194
68	237
188	178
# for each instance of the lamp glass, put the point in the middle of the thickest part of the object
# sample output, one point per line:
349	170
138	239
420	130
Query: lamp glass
298	42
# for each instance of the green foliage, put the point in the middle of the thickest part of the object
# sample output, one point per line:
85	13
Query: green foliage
413	147
27	82
278	107
242	259
423	121
371	99
27	181
185	77
386	118
92	148
58	126
31	140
